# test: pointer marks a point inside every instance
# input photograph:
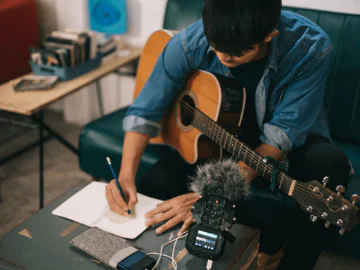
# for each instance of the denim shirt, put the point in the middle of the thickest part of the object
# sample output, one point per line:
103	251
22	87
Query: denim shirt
288	99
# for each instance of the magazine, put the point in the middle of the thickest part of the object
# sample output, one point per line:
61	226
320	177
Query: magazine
33	82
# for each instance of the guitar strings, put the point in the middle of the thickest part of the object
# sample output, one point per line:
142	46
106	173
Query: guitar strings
266	168
300	200
300	187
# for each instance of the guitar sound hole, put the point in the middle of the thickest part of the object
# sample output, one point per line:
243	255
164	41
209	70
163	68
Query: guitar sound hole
186	110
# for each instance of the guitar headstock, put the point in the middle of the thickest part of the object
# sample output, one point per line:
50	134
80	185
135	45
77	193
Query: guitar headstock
325	204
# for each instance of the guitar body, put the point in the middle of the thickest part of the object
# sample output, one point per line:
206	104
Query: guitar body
204	91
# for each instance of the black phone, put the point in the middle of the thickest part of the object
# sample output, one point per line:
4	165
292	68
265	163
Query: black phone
137	261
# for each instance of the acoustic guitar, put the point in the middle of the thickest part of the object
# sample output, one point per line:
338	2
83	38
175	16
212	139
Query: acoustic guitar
194	126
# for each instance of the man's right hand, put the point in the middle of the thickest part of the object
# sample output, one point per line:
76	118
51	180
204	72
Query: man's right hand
115	200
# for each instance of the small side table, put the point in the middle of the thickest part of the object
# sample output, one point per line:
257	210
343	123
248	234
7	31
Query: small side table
32	104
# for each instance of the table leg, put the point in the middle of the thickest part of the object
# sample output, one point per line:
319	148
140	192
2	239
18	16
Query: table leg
41	142
57	136
99	97
0	191
41	158
135	66
24	150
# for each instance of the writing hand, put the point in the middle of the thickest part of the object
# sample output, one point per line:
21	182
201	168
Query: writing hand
115	200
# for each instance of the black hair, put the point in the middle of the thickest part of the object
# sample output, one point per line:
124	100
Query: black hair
236	26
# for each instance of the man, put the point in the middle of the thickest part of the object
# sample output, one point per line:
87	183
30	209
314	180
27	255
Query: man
283	60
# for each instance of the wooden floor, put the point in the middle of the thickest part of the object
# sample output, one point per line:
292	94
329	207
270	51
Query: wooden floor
20	182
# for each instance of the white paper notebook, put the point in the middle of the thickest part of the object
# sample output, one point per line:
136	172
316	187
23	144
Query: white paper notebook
89	207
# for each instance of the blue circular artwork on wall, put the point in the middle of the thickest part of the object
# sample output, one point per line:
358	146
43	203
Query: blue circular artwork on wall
108	16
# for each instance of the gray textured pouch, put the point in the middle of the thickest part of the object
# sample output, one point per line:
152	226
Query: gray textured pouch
105	247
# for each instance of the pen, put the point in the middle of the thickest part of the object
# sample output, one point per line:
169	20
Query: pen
117	183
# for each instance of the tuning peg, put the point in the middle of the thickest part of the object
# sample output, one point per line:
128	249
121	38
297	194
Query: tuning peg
327	224
345	208
330	199
324	215
342	231
313	218
340	222
340	189
355	198
325	180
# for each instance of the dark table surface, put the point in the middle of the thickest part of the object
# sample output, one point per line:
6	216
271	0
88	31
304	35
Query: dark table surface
42	242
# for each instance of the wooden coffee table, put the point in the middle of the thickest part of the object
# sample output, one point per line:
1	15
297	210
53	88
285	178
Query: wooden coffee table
42	242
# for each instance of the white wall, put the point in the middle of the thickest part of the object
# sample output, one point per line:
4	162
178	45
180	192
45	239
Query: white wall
47	22
145	16
46	16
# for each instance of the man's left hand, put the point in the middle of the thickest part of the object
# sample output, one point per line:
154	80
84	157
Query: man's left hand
173	211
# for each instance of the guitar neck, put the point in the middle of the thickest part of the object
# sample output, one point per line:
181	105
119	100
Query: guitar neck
238	149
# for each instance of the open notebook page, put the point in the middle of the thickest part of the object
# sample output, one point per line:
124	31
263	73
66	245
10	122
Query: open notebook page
89	207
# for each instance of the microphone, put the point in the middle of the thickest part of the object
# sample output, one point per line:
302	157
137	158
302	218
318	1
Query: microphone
221	178
219	183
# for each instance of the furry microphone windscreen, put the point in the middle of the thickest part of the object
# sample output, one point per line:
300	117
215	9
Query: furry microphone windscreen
223	178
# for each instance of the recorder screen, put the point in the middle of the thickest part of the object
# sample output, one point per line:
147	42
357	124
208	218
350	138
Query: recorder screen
205	240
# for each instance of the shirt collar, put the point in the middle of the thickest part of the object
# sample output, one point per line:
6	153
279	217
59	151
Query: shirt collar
274	54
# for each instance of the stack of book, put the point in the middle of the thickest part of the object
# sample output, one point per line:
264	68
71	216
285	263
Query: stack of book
107	48
65	48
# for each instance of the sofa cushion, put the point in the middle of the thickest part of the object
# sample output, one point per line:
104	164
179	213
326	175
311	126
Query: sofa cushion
104	138
180	14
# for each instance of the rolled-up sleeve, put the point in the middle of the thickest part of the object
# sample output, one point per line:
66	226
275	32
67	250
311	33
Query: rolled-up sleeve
167	78
141	125
300	106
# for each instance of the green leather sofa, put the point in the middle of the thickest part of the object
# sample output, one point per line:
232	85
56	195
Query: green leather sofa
104	137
